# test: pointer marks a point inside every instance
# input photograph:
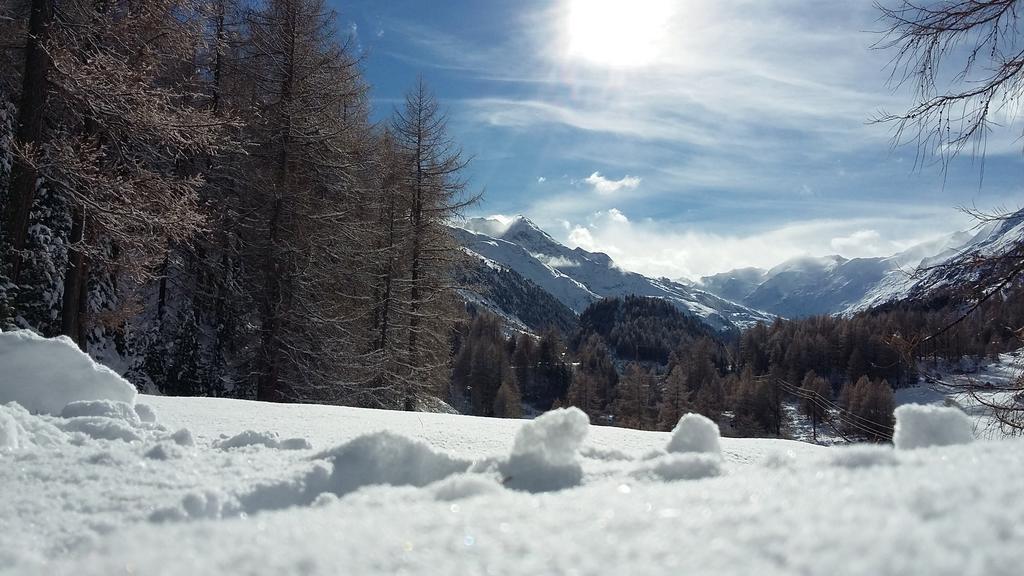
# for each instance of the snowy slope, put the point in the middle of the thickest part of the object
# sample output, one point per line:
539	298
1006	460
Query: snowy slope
523	305
901	284
567	290
971	386
808	286
208	486
578	277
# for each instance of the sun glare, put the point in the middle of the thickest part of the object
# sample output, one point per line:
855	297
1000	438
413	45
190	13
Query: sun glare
618	33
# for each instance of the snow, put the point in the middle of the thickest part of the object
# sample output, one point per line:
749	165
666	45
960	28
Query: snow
102	409
409	493
145	413
695	433
268	439
545	455
681	467
920	426
973	391
44	375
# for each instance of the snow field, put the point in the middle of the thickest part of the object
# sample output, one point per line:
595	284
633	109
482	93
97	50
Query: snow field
108	488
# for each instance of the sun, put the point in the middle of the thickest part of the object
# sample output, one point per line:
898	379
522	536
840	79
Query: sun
618	33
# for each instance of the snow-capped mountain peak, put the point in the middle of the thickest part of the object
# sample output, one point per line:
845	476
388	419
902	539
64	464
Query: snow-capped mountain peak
833	284
577	277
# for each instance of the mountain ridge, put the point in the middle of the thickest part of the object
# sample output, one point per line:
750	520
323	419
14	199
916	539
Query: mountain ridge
578	278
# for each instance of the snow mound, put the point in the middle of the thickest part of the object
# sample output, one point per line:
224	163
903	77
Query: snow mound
695	433
545	455
267	439
920	426
302	490
382	458
46	374
686	466
387	458
9	432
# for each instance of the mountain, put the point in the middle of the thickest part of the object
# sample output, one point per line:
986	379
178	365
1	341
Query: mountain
808	286
522	304
577	278
934	278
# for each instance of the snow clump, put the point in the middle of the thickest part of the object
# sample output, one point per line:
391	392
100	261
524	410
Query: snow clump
695	433
920	426
545	455
268	439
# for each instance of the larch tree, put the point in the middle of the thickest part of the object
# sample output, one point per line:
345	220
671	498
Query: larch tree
433	191
106	127
303	227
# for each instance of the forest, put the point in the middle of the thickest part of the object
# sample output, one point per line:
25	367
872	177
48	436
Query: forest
194	189
641	363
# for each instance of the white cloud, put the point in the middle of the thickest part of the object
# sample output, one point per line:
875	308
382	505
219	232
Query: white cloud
605	186
616	216
581	237
557	261
656	248
862	243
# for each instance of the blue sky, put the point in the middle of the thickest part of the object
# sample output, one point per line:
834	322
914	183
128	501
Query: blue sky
682	137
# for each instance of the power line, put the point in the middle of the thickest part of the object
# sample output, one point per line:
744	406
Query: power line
846	417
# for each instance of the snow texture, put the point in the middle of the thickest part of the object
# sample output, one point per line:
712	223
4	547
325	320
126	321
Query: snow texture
44	375
695	433
101	409
923	426
688	466
145	413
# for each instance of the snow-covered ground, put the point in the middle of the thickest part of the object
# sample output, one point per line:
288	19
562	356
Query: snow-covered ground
969	387
205	486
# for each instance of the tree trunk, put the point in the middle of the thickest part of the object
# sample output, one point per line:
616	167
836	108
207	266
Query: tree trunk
29	132
73	302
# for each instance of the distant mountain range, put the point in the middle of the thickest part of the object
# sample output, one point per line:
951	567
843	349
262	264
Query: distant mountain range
835	285
576	278
525	275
